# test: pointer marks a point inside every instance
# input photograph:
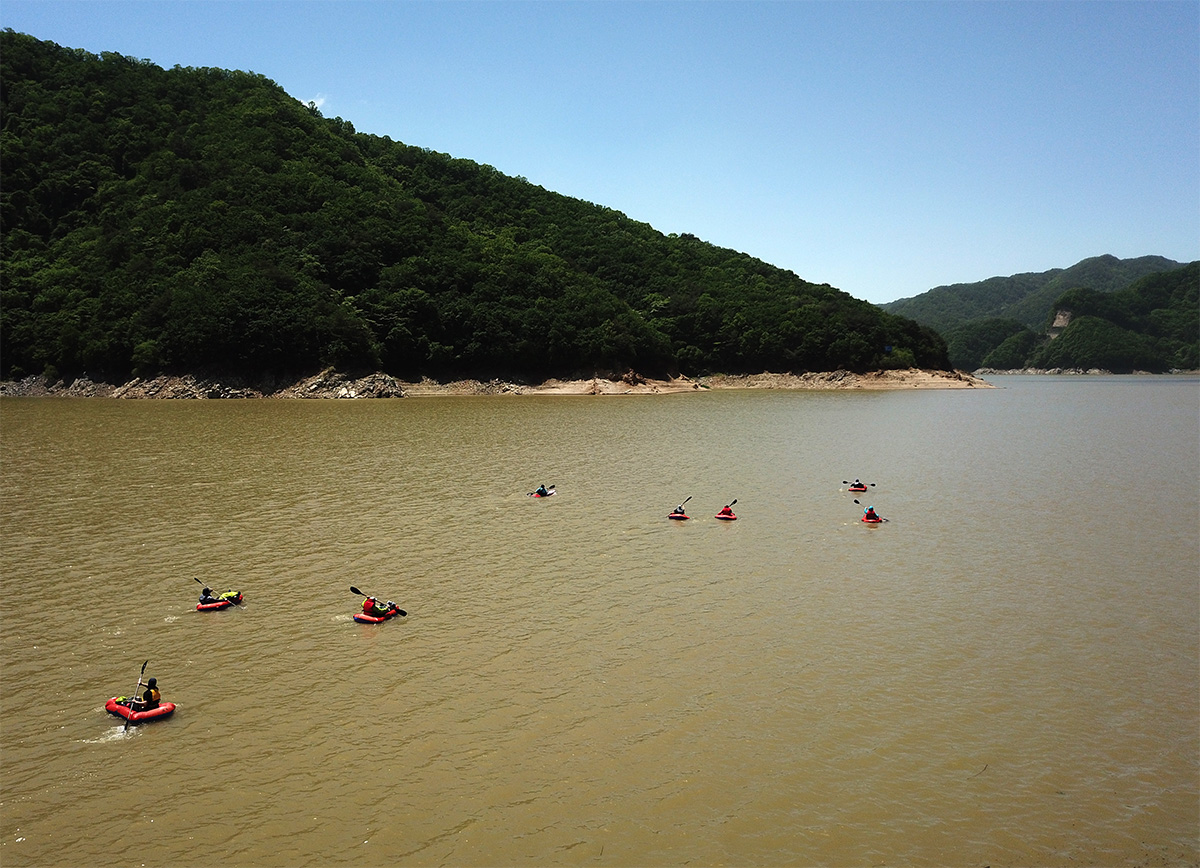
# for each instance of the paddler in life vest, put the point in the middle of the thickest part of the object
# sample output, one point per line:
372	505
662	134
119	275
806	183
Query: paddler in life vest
869	514
678	510
726	510
542	491
150	698
206	596
374	609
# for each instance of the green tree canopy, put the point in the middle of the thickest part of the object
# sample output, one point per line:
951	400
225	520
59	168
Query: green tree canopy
189	220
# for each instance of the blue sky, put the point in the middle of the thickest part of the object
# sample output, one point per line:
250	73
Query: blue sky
884	148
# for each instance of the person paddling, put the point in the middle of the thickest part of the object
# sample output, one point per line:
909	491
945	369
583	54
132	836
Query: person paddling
150	697
678	510
869	514
542	491
375	609
207	597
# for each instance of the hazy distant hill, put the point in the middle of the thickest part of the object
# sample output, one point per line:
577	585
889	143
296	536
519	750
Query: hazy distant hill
1026	298
190	220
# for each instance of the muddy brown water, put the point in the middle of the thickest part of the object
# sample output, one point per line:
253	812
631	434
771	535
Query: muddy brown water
1005	673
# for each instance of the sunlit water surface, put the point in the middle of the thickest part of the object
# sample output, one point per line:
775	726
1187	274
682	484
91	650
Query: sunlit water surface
1005	673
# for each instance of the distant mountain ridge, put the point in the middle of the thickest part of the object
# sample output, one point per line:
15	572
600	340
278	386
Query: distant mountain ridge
1027	298
1095	323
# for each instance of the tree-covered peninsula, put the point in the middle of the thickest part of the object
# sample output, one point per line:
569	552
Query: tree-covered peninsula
201	220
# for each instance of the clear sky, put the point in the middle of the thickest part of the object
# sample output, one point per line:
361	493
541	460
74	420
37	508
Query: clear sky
884	148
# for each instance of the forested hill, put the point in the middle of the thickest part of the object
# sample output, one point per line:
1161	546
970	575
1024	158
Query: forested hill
1027	298
1151	325
202	220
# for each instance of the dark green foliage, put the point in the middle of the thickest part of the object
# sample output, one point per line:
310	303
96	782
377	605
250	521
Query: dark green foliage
1026	298
1132	314
203	220
969	343
1091	342
1013	351
1151	325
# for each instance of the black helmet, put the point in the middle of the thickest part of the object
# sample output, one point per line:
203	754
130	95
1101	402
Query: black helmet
152	682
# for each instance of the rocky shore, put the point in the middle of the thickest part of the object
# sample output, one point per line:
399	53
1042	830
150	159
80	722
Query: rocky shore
1068	372
330	384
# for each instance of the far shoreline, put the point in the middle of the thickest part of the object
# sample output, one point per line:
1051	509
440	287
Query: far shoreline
331	384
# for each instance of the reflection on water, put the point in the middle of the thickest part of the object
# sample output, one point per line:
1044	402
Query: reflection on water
1004	673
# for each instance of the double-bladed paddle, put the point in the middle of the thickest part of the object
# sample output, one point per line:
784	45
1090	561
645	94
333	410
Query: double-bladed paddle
400	612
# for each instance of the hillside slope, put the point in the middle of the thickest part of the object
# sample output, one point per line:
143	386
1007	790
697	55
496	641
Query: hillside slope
1151	325
203	221
1026	298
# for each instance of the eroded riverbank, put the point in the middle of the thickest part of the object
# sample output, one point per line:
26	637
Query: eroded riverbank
331	384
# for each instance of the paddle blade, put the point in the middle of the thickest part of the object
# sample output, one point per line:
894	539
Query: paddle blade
402	613
355	590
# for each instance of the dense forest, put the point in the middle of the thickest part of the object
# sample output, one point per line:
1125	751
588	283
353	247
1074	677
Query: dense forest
201	220
1026	298
1124	315
1151	325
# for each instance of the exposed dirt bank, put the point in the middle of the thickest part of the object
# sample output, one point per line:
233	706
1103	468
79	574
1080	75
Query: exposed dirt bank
910	378
330	384
1073	372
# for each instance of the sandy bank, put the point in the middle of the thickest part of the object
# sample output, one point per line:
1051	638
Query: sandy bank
331	384
633	385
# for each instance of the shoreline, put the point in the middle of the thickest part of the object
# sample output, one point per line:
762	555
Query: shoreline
330	384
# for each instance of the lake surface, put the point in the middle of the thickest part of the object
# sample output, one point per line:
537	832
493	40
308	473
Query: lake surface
1005	673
